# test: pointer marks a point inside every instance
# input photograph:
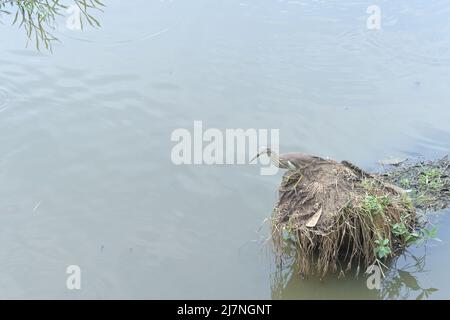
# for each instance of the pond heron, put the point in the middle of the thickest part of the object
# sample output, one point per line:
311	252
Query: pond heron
289	161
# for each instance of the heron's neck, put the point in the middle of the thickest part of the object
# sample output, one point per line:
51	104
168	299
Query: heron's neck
275	158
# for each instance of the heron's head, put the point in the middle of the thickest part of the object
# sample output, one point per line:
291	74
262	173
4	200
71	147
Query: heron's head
265	151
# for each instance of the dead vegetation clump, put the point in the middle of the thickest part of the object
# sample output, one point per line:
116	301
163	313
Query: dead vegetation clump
427	182
331	216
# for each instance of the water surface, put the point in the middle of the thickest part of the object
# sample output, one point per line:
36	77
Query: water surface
85	170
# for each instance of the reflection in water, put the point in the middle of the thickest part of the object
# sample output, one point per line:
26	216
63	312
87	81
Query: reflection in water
398	283
38	17
403	283
288	283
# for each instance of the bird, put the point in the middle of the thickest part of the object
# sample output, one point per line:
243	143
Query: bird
289	161
294	162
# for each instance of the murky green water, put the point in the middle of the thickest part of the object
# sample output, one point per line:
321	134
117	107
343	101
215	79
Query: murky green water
85	171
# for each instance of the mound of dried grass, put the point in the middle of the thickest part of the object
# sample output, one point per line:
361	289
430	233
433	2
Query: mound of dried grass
332	216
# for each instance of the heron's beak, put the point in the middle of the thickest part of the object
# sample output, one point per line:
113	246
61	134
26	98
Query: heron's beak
255	157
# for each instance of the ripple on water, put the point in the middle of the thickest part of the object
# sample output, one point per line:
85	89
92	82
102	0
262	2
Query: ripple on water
4	99
414	39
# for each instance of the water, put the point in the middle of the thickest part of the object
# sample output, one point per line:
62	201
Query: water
85	170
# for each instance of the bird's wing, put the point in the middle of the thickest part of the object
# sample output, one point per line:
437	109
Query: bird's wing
301	159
